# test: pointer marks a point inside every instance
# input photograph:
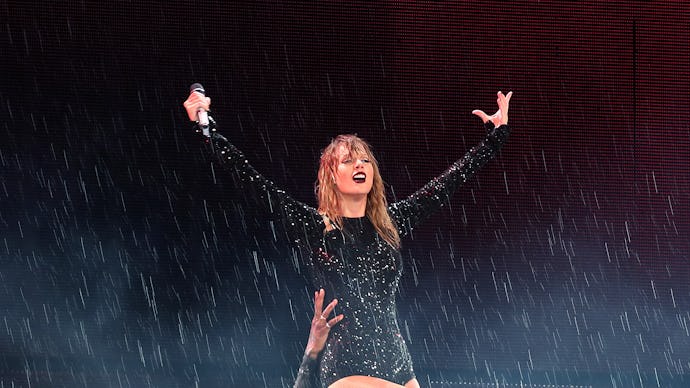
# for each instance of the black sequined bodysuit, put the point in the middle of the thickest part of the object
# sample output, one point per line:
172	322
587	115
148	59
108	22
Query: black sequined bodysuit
355	265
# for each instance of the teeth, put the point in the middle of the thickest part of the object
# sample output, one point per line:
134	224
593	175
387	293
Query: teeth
359	175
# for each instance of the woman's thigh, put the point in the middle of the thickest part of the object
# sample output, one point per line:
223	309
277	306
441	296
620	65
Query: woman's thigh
368	382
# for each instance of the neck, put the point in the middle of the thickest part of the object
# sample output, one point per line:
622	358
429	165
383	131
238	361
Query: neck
353	206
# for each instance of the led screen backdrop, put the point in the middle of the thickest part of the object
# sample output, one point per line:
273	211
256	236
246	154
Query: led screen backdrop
128	260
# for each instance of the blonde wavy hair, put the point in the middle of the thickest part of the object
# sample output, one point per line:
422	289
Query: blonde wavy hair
329	198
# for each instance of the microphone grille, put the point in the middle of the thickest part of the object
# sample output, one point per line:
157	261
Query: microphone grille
197	88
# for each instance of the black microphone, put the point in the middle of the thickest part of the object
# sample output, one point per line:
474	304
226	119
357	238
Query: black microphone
202	115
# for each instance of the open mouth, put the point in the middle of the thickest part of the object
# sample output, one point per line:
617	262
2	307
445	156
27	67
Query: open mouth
359	177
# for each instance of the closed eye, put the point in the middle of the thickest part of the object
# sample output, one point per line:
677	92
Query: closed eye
349	160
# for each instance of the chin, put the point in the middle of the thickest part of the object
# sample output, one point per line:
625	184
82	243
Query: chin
356	192
359	192
366	189
354	189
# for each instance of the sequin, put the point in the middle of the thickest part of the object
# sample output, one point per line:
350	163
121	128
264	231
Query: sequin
354	264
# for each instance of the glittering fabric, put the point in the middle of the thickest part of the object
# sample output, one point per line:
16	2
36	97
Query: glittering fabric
354	264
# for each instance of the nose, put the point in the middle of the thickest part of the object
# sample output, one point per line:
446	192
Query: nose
359	163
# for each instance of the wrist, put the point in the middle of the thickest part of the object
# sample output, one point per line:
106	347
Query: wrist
311	353
308	365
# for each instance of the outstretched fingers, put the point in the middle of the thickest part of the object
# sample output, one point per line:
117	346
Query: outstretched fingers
501	116
503	104
503	101
481	115
318	303
322	314
327	311
335	320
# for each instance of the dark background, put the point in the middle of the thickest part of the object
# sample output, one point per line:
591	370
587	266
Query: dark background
126	260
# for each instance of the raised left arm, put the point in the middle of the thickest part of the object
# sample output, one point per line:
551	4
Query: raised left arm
501	116
409	212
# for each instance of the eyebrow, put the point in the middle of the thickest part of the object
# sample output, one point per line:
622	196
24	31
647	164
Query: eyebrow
360	156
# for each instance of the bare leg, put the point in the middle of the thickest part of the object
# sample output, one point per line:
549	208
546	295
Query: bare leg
368	382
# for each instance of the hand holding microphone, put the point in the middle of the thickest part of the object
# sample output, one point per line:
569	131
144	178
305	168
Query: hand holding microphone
197	106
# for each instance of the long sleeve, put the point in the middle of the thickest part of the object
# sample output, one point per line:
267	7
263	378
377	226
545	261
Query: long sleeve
409	212
300	220
306	376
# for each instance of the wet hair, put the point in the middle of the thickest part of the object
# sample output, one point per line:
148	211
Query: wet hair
329	199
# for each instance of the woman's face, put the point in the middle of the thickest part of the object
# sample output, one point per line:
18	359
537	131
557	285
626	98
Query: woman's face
354	173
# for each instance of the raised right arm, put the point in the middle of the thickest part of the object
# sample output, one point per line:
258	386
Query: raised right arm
301	222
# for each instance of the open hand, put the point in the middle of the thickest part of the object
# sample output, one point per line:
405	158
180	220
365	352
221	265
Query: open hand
501	116
320	324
